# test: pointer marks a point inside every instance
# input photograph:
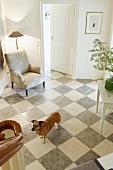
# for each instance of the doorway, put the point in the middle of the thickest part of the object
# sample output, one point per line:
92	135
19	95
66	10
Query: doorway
59	36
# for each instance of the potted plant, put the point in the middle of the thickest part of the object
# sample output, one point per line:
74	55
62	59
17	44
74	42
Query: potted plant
102	55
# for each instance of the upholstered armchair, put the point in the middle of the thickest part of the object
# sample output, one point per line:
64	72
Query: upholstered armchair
22	72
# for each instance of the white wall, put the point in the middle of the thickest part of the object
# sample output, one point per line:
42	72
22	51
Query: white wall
24	16
111	32
4	76
84	65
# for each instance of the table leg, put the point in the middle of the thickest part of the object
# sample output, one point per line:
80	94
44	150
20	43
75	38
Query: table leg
98	95
102	118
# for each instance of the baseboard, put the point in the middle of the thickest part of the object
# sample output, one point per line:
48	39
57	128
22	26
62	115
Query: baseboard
92	77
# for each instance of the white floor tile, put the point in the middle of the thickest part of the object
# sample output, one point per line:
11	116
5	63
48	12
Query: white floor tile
73	165
74	109
3	104
54	83
7	92
37	148
22	106
51	94
20	119
107	129
93	85
31	93
48	107
73	148
104	148
93	95
74	126
35	166
55	75
93	109
74	95
74	84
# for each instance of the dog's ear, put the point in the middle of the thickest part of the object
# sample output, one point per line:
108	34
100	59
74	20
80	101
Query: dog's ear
33	121
41	123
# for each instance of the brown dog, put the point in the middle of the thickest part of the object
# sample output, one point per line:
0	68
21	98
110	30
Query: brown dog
43	127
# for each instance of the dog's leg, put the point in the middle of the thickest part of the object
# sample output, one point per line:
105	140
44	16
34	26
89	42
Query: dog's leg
57	125
44	141
41	136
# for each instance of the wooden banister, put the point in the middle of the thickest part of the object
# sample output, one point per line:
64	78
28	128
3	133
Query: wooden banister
10	146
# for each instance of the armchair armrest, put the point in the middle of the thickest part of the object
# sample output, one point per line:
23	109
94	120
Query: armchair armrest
18	76
35	69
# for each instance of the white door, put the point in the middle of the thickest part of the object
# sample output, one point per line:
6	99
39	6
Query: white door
62	24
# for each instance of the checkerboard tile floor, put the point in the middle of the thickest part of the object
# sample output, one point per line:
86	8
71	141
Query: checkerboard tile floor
77	140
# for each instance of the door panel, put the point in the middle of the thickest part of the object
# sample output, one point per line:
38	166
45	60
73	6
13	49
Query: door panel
61	33
61	25
60	59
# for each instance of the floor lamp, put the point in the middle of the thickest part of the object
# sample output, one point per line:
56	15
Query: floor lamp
16	34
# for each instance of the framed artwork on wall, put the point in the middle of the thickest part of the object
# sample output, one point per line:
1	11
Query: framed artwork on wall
93	22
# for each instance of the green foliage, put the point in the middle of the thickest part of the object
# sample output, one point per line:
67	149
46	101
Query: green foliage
102	55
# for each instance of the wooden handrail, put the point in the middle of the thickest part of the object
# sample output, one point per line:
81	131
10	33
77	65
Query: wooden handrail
10	146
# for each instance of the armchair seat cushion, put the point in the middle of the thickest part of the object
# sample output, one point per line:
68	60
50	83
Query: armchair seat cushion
32	79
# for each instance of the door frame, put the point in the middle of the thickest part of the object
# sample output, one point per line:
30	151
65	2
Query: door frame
74	50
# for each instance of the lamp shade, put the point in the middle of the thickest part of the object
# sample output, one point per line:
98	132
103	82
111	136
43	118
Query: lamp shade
15	34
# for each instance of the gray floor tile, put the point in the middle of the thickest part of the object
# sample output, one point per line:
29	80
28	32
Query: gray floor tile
58	101
110	137
64	115
84	81
28	133
90	137
37	100
91	155
33	113
88	118
64	79
86	102
109	118
15	98
28	157
55	160
58	136
7	113
40	88
63	89
85	90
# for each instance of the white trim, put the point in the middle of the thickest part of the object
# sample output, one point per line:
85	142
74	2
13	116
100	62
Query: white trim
92	77
42	38
74	51
59	1
75	47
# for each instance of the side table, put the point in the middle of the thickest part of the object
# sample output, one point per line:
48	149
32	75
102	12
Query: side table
107	101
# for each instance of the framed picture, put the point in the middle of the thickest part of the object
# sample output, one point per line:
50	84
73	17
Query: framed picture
93	22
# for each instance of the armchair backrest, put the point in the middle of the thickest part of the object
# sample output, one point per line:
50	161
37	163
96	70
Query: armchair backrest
17	61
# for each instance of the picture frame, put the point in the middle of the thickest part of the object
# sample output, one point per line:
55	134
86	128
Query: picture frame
93	22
